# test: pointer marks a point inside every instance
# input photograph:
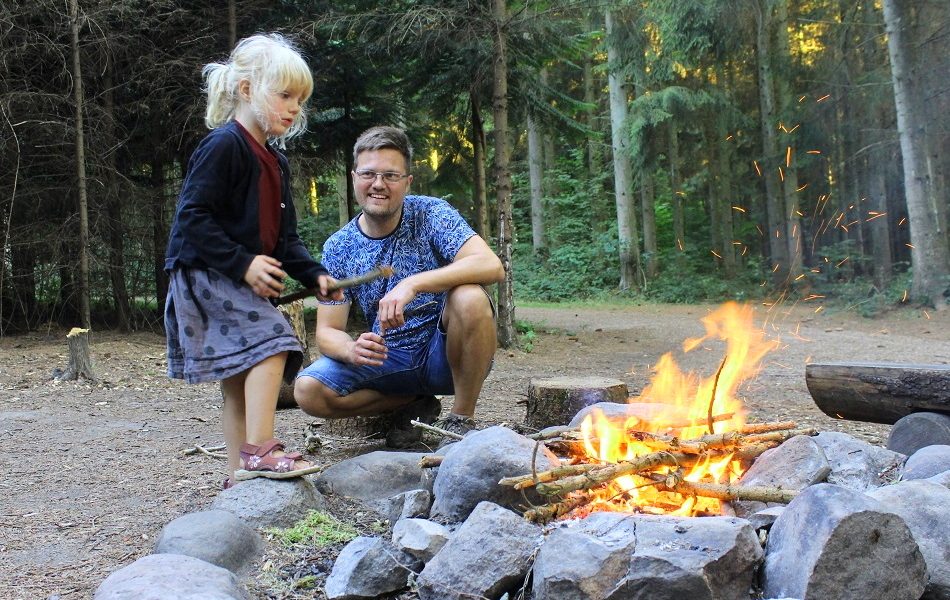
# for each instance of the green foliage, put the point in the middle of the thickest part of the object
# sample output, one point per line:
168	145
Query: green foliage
318	529
526	335
687	279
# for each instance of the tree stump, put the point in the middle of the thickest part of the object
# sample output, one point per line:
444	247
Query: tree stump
80	362
915	431
556	401
293	312
368	428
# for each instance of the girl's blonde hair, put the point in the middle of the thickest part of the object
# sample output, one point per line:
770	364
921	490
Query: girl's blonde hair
271	64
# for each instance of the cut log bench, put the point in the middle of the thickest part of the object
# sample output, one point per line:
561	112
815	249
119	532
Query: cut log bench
914	398
555	401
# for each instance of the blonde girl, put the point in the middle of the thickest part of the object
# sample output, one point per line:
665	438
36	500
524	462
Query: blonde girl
233	241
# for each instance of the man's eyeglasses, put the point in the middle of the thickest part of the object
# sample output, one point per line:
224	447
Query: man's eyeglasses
388	176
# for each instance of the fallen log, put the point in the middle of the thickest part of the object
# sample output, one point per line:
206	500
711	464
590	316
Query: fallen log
878	392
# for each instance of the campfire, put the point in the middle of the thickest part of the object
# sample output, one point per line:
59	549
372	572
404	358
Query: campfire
685	457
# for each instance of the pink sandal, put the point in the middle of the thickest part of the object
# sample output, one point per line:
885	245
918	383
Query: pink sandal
259	461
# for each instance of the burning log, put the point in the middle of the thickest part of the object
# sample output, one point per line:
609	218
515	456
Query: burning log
549	512
878	392
674	483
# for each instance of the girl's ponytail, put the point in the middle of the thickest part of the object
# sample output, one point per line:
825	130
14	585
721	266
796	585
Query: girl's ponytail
221	93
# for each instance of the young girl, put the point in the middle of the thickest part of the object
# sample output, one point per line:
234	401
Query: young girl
233	241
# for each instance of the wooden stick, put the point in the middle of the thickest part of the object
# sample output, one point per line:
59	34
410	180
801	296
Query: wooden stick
521	482
437	430
208	450
672	483
778	436
766	427
430	461
548	512
342	284
610	472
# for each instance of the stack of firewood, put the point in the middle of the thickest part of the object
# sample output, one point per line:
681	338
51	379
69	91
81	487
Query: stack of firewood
574	484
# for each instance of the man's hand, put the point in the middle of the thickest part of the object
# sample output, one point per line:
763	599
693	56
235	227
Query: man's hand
391	306
265	276
368	349
324	283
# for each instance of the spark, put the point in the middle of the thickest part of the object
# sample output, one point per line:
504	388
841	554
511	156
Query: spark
736	243
815	270
813	152
738	208
807	359
845	227
729	137
904	297
788	156
853	223
839	416
911	246
802	99
823	98
792	130
757	169
775	268
781	174
795	230
799	213
802	276
901	222
818	310
843	260
801	188
927	314
716	254
781	126
838	220
761	233
812	297
877	216
679	244
680	193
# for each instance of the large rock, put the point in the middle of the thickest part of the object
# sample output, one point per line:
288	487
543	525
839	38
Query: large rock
420	537
927	462
373	478
833	542
917	430
369	567
489	555
470	471
215	536
923	506
617	556
270	502
857	465
798	463
167	576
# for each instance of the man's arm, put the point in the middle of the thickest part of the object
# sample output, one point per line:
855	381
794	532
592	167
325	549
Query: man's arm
474	263
334	342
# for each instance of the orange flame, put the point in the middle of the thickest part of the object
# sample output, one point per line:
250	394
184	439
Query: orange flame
687	404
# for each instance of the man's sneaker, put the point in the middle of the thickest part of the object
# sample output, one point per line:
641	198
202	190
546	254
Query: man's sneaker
453	423
403	434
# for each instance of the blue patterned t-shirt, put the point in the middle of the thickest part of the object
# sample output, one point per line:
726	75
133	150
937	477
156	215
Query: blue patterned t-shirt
429	235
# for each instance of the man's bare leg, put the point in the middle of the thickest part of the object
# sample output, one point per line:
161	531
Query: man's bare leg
318	400
471	340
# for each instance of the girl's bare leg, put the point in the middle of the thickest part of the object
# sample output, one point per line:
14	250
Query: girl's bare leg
233	419
261	388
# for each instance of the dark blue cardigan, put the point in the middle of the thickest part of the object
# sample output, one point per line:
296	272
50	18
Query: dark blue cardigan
216	222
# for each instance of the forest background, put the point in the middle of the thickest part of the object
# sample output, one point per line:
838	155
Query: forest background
669	150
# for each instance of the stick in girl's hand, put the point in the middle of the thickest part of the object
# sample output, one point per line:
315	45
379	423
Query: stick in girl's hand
381	271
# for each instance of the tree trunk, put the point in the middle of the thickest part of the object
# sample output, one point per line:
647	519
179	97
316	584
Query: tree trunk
535	169
775	209
879	219
159	231
723	163
506	304
84	292
120	294
479	185
80	360
929	254
679	221
647	207
623	175
232	23
787	104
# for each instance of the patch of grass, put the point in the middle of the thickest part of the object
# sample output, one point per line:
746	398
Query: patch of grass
526	335
316	529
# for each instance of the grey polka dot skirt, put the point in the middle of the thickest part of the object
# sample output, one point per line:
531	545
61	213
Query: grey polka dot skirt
216	328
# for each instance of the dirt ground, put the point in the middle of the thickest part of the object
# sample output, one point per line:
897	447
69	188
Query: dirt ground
93	471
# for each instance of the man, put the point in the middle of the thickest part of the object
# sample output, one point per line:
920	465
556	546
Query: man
432	323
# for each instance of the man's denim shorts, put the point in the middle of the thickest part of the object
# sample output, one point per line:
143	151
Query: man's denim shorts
421	370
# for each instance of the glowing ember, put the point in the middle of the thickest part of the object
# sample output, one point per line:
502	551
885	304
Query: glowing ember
688	406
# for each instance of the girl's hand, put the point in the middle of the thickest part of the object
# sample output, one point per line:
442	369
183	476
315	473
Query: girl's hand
368	349
323	293
265	276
